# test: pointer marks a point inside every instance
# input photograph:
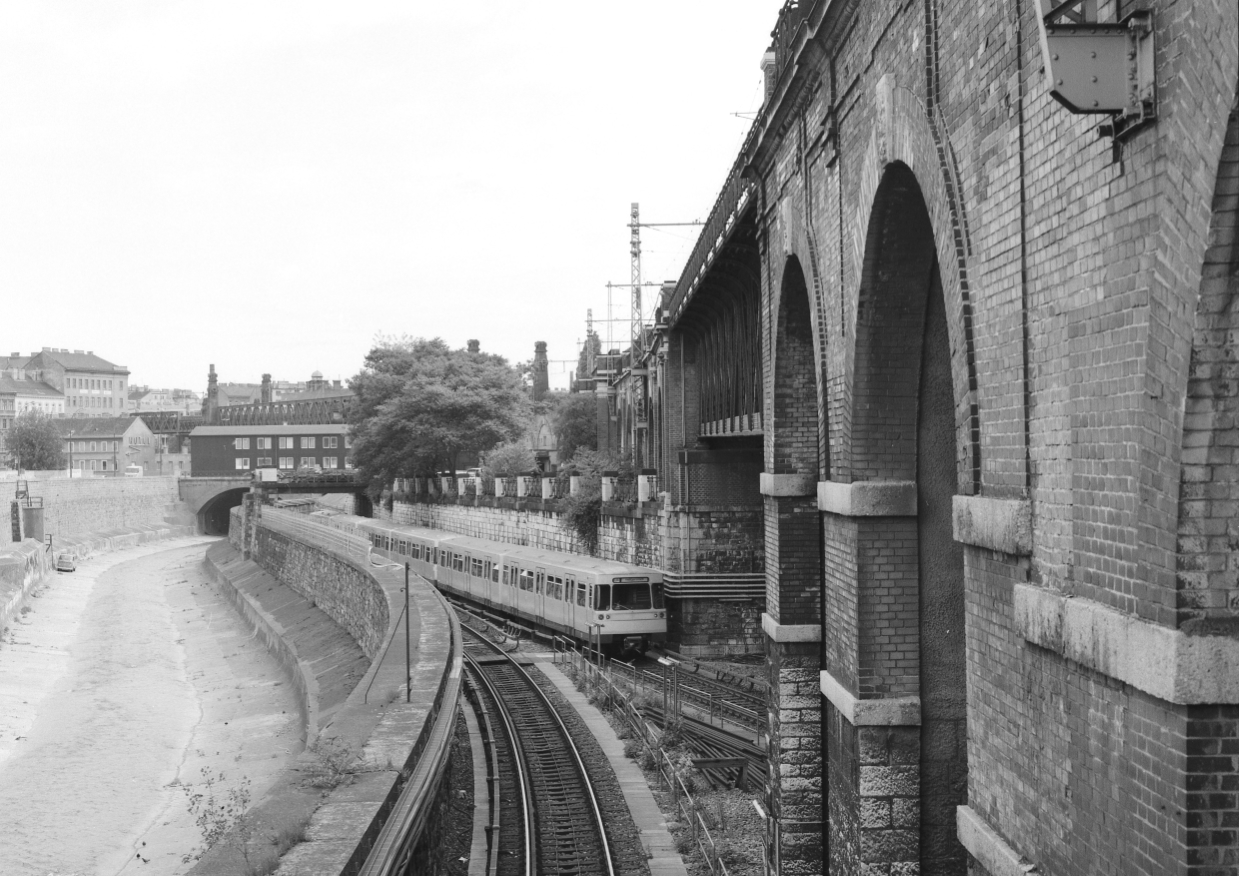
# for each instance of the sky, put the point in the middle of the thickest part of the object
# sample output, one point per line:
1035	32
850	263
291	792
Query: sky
272	187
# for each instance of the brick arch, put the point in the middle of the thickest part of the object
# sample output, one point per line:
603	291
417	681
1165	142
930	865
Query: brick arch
1206	594
904	139
905	427
796	399
798	255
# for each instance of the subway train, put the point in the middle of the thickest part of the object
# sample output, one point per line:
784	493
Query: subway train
616	605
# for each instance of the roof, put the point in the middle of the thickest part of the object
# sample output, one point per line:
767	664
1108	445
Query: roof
104	427
311	429
79	361
28	387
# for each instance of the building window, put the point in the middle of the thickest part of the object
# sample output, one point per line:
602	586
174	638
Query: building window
307	461
264	443
103	465
286	462
330	462
348	462
286	444
240	444
93	447
243	463
348	441
307	442
264	461
331	442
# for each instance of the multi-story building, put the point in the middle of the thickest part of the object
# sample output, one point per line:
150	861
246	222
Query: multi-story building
92	386
106	445
18	395
219	451
144	398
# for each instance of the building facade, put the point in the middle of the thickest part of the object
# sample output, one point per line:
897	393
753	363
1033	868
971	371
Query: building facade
106	446
225	451
91	385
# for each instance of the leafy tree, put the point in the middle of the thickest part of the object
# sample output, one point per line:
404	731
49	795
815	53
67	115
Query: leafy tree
420	405
576	423
35	443
508	460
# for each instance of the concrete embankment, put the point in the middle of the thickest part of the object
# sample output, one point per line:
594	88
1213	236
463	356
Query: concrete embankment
331	619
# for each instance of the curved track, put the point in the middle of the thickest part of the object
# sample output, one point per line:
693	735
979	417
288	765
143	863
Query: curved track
565	831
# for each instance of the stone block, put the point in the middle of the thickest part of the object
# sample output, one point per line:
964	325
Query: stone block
888	781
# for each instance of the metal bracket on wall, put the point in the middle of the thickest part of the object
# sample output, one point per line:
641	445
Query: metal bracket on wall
1100	67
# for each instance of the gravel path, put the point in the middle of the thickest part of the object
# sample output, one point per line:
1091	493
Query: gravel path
125	681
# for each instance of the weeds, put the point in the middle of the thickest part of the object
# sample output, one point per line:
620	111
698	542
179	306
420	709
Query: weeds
333	764
220	815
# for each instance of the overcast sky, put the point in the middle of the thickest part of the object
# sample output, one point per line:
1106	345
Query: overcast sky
268	186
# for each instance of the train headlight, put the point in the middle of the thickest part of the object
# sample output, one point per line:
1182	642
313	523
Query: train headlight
599	617
608	617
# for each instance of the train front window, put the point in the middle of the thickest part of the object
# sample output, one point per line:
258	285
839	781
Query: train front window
631	597
657	591
602	597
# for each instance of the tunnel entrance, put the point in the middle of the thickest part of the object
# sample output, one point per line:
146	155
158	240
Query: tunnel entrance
214	516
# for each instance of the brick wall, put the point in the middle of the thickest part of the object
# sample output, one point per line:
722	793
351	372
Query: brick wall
78	505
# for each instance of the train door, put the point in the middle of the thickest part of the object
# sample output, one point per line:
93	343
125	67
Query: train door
539	590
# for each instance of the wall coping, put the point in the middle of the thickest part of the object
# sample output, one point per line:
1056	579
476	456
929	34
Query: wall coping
990	849
1003	525
1161	661
790	632
867	498
888	712
786	484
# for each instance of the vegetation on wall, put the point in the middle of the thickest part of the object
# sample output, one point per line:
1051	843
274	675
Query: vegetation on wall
576	423
421	405
582	513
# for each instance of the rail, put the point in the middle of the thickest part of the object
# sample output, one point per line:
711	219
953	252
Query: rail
690	812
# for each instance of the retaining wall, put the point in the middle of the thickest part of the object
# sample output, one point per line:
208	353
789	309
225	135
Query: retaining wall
78	505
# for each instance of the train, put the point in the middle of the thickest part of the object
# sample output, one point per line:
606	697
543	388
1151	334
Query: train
617	606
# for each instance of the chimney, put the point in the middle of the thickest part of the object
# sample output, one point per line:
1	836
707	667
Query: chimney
336	384
211	402
475	346
266	389
79	352
770	68
540	379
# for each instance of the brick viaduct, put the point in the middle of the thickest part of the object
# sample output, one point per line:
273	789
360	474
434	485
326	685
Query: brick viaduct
993	395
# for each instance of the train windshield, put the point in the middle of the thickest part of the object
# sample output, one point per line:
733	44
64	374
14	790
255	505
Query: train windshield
623	597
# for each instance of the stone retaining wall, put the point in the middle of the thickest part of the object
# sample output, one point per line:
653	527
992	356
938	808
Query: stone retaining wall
77	505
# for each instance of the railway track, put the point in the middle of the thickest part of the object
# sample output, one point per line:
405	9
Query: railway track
556	828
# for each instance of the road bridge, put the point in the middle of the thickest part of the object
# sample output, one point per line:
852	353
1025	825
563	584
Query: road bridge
980	350
211	499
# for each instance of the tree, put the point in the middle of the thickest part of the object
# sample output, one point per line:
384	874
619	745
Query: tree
35	443
576	423
421	404
509	460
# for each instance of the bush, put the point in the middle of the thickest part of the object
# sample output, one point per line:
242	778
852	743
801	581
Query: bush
633	749
332	765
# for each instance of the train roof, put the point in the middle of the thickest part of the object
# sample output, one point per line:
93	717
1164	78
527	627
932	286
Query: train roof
539	555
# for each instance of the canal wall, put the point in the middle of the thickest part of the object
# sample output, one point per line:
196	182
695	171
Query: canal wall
330	618
72	506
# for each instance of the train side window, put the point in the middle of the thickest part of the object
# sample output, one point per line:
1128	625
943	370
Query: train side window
494	573
540	582
475	568
486	570
507	576
415	551
569	590
602	597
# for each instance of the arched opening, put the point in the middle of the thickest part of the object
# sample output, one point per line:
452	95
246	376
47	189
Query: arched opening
911	625
213	517
796	439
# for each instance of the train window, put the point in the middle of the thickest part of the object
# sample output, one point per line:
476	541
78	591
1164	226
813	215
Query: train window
458	562
526	579
602	597
403	547
494	573
555	587
630	596
374	539
476	568
507	576
582	594
486	570
570	589
415	551
657	591
541	579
